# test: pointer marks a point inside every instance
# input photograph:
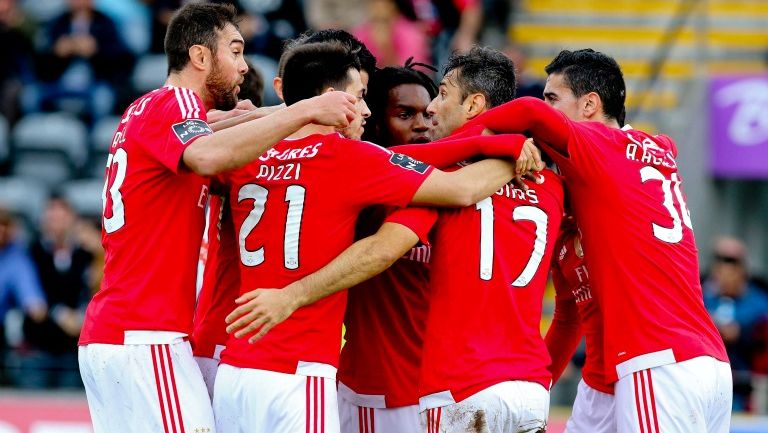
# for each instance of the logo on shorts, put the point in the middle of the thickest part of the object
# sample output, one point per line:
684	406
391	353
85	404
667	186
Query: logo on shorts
190	129
408	163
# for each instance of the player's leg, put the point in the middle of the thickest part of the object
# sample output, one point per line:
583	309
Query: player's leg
260	401
208	367
673	398
513	406
721	403
350	416
159	387
593	412
395	419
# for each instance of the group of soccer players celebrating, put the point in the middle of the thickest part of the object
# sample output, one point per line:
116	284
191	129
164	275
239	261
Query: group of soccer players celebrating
432	246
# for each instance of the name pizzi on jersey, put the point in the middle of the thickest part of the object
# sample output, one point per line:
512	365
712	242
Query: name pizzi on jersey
289	170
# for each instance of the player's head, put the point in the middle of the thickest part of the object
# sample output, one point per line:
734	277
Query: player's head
586	85
473	82
398	98
367	60
315	68
253	86
204	38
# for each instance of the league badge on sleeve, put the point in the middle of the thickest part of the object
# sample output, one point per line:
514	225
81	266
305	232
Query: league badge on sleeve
408	163
190	129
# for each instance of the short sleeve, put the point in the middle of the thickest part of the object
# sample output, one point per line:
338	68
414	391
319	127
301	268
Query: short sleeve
375	175
171	124
418	219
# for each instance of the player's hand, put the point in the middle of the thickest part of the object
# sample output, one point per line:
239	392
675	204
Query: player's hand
335	109
259	311
518	181
529	159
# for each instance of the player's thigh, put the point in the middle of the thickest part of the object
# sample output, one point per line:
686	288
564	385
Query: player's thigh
159	387
507	407
208	367
673	398
721	402
593	412
255	401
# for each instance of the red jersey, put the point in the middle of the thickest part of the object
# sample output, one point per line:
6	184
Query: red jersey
627	197
577	313
294	211
385	320
221	282
153	220
489	269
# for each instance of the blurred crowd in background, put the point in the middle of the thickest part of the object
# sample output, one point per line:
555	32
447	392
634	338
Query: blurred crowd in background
72	66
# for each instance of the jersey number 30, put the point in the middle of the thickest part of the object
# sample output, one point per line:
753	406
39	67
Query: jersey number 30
521	213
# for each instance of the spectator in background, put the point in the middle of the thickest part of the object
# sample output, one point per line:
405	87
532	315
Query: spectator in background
63	267
526	84
459	24
392	34
82	59
19	285
16	35
737	306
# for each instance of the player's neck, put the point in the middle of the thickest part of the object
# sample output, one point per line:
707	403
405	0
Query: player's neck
186	80
312	129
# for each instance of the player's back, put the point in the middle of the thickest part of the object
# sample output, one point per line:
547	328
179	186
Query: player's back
489	269
294	211
153	220
639	247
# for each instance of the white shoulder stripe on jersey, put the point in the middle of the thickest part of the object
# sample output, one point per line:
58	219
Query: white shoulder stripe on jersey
190	109
182	106
195	104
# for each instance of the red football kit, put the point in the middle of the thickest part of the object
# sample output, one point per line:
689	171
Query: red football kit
576	312
489	270
627	198
385	321
221	282
294	210
153	220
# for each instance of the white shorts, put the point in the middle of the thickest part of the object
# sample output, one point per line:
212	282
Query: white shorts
208	367
507	407
692	396
593	412
247	400
359	419
145	388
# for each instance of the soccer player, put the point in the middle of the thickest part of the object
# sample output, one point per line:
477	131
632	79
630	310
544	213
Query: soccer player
484	364
136	364
661	350
311	187
577	314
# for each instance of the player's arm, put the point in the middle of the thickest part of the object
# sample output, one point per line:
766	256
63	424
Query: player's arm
545	123
444	153
238	145
262	309
242	116
466	186
565	332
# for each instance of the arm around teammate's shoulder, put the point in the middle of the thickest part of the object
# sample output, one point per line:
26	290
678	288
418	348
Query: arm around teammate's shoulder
466	186
235	147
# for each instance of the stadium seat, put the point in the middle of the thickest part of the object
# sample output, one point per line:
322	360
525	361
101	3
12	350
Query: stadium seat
23	196
268	69
85	196
150	72
102	133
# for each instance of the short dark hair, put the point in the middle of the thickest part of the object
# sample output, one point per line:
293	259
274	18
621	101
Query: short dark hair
587	71
386	79
253	85
311	68
484	70
367	59
195	24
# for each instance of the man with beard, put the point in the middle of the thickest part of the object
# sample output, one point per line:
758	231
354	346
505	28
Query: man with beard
136	364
